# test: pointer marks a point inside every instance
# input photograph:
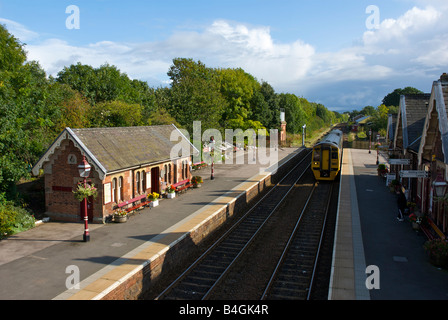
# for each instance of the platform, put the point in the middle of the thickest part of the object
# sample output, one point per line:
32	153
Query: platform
368	234
33	264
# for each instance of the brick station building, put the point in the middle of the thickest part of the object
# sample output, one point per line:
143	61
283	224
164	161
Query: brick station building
127	164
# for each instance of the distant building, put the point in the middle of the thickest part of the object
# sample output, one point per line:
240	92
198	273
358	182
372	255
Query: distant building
127	164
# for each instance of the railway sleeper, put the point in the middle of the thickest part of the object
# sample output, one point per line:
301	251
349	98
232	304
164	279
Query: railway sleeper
185	294
206	275
286	294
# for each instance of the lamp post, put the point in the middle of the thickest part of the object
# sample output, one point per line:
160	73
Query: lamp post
254	138
212	154
370	141
378	149
303	135
84	171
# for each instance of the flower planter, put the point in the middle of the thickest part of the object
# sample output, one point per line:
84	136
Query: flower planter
171	195
197	185
154	203
415	226
120	219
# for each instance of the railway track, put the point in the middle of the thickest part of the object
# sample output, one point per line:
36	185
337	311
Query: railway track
294	275
201	279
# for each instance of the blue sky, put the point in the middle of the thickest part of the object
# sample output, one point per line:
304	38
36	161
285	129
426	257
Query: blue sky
321	50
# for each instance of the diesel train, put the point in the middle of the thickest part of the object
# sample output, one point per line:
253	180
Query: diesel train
327	156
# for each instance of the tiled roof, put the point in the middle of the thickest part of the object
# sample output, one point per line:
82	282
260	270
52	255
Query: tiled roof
120	148
438	104
413	108
115	149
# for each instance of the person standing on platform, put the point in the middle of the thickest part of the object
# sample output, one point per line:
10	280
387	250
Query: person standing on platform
401	201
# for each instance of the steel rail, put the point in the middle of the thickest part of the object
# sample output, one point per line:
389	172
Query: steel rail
287	246
233	227
320	243
290	240
206	295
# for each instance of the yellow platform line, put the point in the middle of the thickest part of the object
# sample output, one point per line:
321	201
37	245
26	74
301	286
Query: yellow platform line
112	277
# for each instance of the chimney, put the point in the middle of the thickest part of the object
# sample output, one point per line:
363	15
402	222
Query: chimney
444	77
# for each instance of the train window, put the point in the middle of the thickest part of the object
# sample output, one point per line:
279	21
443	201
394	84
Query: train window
316	155
334	155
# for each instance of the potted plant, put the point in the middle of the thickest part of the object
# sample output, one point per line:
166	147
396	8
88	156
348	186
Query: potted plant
382	170
415	221
84	191
154	198
438	252
120	216
170	192
197	181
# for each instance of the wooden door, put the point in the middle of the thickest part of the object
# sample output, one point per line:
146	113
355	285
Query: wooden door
155	181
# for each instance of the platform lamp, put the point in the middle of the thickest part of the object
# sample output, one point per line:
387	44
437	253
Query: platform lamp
84	171
212	154
303	135
439	186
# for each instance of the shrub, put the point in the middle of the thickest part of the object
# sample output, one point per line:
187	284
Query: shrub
14	219
362	135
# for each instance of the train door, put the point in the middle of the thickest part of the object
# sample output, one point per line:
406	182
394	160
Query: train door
325	163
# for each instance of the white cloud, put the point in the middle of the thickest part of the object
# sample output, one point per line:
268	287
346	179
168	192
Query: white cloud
413	25
19	30
412	45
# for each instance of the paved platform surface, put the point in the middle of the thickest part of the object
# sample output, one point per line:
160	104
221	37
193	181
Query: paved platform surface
33	263
369	234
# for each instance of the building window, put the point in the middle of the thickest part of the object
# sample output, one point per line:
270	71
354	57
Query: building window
120	189
114	190
137	180
169	173
184	170
143	180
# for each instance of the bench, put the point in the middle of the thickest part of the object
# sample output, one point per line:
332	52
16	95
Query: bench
138	206
432	231
132	201
182	185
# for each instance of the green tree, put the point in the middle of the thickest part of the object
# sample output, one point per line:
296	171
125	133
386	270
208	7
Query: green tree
161	117
393	98
74	109
116	114
12	54
270	118
368	111
294	114
195	94
238	88
107	83
27	116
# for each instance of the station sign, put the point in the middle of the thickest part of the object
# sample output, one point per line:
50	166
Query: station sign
413	174
400	161
389	178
